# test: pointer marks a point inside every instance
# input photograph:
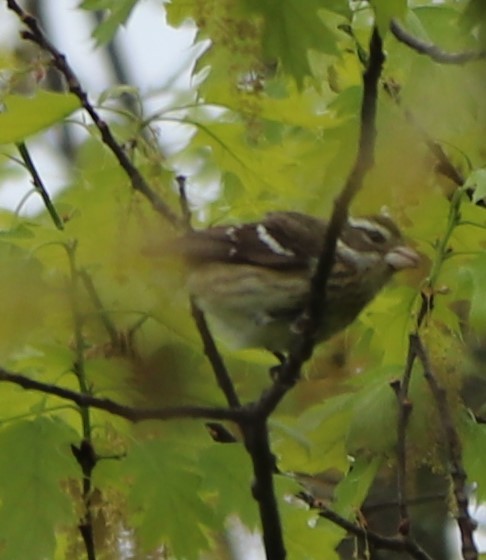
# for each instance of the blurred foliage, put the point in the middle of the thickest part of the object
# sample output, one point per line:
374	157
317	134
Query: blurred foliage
274	117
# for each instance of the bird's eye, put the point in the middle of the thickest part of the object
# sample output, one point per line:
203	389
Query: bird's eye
375	236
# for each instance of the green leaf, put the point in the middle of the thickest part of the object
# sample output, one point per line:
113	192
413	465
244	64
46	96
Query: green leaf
474	456
321	436
35	460
227	473
291	29
306	535
339	7
385	10
24	116
116	13
441	25
474	19
20	274
390	312
164	495
477	272
373	414
351	492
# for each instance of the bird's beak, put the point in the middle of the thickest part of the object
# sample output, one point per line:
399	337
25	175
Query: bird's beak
402	257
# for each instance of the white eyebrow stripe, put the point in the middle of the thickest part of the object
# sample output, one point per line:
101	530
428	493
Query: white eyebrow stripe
360	259
365	224
265	237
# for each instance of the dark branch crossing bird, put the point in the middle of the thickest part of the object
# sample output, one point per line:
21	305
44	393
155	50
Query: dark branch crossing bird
253	279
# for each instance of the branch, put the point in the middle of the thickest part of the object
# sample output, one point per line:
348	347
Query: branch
256	438
290	370
397	544
255	430
133	414
37	36
87	459
458	475
210	349
433	51
404	409
429	289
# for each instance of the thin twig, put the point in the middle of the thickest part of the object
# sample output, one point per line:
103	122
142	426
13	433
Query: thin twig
433	51
37	36
458	475
428	292
133	414
39	185
445	167
215	359
363	163
397	544
404	409
401	387
220	371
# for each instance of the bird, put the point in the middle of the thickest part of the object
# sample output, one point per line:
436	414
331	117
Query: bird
253	279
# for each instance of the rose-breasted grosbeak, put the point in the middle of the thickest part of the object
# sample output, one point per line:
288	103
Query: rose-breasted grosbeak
254	279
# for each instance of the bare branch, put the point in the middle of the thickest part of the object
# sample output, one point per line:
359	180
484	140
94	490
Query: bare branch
133	414
210	349
36	35
397	544
257	443
458	475
290	370
433	51
404	410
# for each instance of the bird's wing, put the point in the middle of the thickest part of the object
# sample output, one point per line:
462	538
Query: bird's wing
281	240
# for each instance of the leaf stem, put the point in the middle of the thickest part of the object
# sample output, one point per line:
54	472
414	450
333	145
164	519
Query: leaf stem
39	185
453	220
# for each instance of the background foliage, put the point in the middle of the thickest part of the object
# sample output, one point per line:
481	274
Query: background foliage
86	306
